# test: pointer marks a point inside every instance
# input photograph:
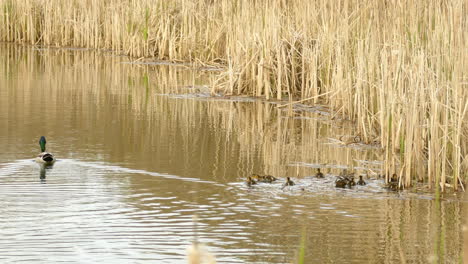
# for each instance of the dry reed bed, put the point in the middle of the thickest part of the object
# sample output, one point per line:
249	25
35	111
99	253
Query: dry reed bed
397	68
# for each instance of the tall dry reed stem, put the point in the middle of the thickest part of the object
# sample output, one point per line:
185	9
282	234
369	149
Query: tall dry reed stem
397	68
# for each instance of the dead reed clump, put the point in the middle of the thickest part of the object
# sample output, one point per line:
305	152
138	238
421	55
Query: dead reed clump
396	69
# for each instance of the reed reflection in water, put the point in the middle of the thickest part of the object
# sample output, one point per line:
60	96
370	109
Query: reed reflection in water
142	148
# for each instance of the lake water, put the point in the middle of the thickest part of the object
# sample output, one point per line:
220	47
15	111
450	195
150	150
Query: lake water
143	148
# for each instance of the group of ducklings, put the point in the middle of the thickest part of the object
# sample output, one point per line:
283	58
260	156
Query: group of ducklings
255	178
344	179
263	178
347	180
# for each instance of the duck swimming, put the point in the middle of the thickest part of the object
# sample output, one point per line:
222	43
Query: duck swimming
319	174
269	178
44	157
345	181
249	181
255	176
361	181
393	184
341	182
351	182
263	178
288	182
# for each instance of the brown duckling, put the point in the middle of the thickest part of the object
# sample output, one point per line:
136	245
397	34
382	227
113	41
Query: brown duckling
361	181
288	182
393	184
319	174
351	182
249	181
341	182
256	177
269	178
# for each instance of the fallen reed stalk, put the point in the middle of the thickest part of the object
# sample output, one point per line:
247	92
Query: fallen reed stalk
396	68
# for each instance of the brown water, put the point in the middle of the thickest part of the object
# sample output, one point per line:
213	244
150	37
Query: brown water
142	148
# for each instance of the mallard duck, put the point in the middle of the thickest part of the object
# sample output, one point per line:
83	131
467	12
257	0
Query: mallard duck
288	182
361	181
341	182
44	157
319	174
249	181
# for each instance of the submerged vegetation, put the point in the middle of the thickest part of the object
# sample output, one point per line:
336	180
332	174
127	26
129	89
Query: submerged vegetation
398	69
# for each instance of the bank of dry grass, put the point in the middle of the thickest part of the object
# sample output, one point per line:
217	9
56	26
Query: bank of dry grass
398	68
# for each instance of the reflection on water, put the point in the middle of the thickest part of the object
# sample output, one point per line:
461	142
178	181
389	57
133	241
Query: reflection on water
42	173
138	157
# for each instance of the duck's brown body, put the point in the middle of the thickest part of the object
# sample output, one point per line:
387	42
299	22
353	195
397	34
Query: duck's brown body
319	174
263	178
288	182
249	181
345	181
361	181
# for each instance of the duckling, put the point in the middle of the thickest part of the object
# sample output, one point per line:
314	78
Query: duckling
255	177
269	178
394	178
288	182
249	181
361	181
319	174
44	157
351	182
393	184
341	182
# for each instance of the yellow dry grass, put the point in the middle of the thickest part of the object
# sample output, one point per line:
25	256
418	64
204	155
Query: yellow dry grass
397	68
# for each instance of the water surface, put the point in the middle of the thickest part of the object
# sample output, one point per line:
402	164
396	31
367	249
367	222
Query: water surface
142	148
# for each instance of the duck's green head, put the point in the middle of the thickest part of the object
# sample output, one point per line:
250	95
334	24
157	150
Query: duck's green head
42	143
